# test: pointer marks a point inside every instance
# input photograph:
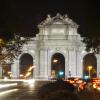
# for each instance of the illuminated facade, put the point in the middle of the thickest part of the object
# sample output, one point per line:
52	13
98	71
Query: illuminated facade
56	35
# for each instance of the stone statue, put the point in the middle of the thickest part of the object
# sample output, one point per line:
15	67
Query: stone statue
48	18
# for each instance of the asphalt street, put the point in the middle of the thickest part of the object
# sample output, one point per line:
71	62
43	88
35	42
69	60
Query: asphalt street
20	92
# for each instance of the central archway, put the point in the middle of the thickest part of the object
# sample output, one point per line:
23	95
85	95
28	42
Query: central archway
26	66
58	66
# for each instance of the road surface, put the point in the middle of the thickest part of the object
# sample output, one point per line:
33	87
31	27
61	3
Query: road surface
23	91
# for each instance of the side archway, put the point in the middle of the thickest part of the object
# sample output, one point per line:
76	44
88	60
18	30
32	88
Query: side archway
26	66
90	66
58	66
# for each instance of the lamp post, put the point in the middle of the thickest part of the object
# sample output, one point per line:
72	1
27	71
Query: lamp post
55	61
54	69
89	68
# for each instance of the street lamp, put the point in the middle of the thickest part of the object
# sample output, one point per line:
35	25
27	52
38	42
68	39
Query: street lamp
54	67
89	68
55	61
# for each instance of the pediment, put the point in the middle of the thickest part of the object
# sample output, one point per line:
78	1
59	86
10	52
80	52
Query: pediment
58	23
58	20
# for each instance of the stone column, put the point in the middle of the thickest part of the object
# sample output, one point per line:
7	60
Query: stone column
0	71
79	64
35	68
43	64
98	65
46	63
37	64
66	64
72	62
49	62
15	69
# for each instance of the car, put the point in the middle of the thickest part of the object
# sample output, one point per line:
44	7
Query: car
96	83
77	82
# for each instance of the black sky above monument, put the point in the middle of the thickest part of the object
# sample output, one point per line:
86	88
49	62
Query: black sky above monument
23	16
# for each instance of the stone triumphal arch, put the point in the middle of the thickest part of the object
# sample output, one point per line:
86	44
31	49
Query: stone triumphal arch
58	38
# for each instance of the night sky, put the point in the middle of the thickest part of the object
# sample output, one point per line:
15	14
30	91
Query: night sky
23	16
